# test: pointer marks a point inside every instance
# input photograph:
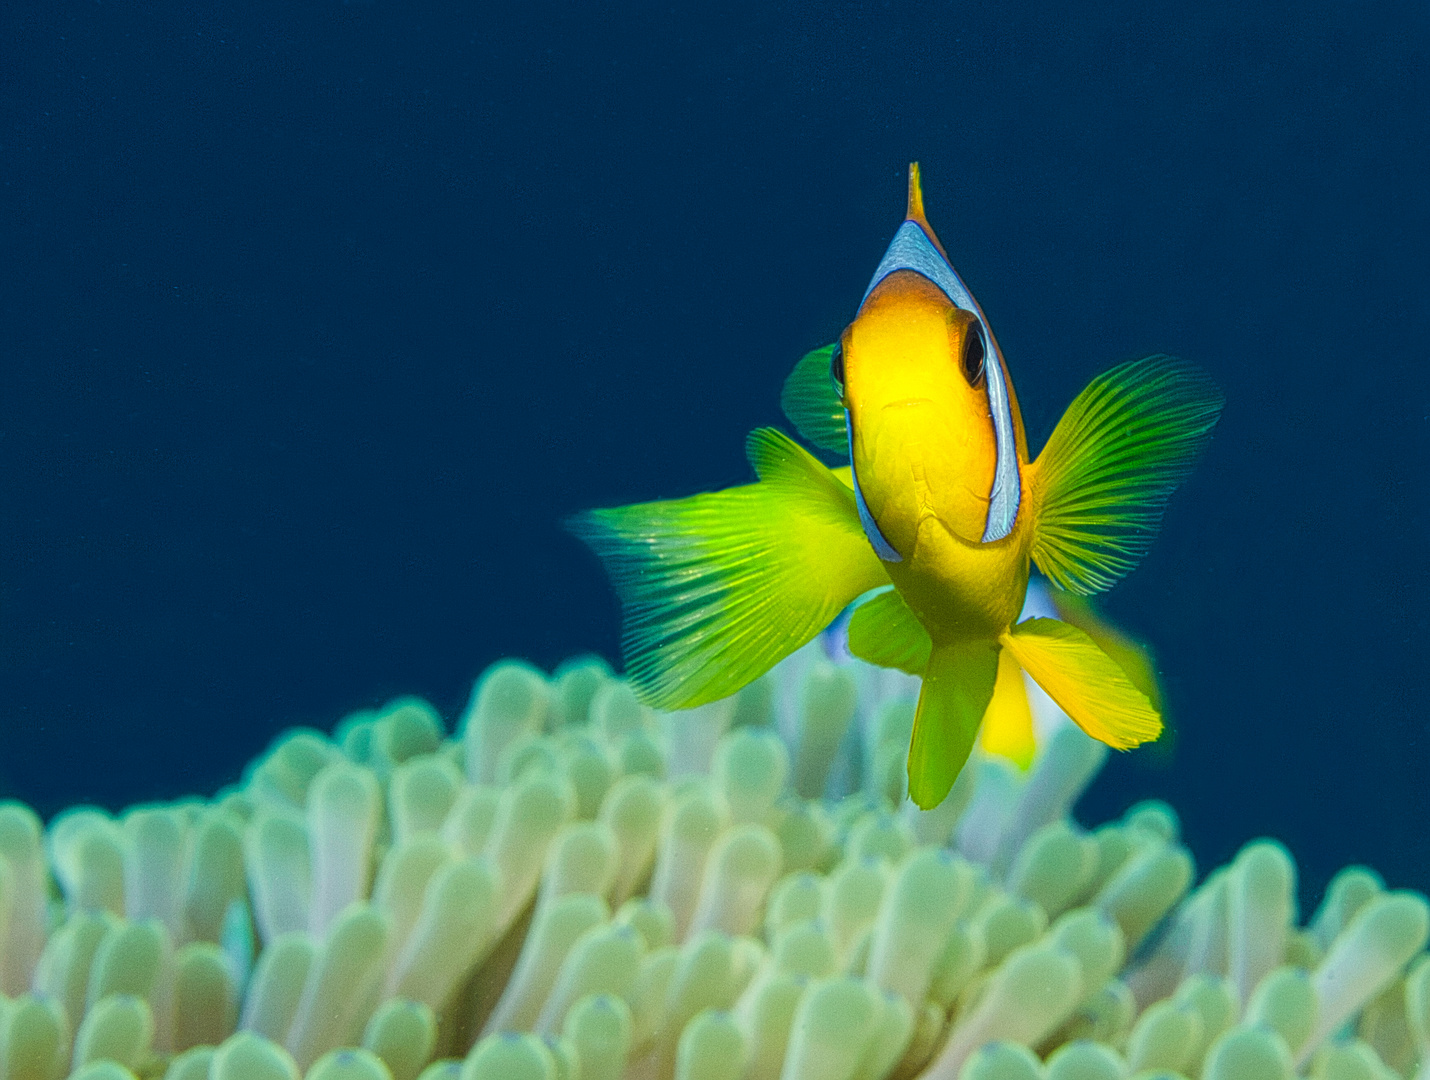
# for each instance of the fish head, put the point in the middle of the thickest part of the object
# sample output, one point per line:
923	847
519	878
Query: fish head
933	422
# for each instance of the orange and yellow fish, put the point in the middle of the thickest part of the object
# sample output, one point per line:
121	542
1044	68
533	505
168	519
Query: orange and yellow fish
939	501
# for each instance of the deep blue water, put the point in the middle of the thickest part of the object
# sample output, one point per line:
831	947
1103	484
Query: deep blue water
316	319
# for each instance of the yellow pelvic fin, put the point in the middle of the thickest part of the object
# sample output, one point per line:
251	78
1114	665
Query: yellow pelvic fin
1008	723
717	588
1104	478
883	631
1086	683
958	685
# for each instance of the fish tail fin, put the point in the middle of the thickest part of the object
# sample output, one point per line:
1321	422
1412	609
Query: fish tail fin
717	588
1008	723
1086	683
957	687
1103	480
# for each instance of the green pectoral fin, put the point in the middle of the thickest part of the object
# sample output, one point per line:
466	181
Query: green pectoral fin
1086	683
883	631
812	403
1112	463
958	686
717	588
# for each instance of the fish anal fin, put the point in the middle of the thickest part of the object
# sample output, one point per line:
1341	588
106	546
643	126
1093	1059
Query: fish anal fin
885	632
957	687
1008	723
1086	683
1104	478
717	588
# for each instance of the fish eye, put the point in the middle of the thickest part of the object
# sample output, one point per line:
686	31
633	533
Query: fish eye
973	353
836	366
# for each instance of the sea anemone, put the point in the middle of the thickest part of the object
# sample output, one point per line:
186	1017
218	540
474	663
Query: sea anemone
573	887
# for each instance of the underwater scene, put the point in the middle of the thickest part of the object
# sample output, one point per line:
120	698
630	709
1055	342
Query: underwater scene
861	541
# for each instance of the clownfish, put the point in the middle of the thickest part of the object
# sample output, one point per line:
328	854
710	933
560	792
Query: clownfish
933	525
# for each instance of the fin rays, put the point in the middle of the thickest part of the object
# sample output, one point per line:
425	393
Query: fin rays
717	588
884	631
1105	476
957	688
1086	683
812	404
1008	722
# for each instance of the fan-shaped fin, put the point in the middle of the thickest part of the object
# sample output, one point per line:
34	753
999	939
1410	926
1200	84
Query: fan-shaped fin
1112	463
1008	723
812	403
1086	683
883	631
717	588
958	685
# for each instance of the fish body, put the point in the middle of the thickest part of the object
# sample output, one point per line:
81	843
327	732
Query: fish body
933	526
924	450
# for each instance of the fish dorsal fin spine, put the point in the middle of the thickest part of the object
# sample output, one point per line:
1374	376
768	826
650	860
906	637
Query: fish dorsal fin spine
875	535
915	211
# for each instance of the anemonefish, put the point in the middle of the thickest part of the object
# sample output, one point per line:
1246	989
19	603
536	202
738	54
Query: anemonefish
934	523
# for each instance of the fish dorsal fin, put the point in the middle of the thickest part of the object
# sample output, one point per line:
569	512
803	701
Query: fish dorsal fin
915	211
812	404
913	248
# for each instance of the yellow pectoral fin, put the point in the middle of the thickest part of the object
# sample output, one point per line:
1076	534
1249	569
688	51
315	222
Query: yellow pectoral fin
1008	723
957	688
718	588
1086	683
883	631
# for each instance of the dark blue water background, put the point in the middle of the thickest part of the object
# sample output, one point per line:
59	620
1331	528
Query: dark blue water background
317	318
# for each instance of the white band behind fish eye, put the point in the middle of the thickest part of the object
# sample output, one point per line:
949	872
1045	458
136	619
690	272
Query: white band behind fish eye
875	535
911	249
